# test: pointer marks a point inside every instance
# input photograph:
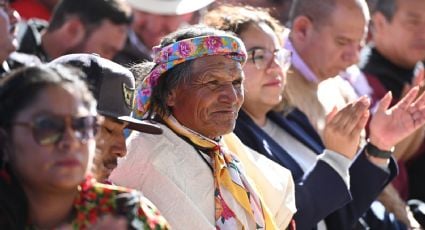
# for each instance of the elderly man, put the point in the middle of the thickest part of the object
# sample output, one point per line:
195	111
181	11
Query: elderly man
290	141
154	19
78	26
113	87
195	90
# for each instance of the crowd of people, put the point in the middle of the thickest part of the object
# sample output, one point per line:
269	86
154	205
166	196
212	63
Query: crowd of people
212	114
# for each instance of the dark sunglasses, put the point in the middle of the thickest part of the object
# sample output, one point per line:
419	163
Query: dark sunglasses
50	129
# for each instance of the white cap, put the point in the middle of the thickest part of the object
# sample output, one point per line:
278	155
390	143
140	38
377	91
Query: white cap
169	7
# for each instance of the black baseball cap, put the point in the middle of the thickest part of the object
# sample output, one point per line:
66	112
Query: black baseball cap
112	85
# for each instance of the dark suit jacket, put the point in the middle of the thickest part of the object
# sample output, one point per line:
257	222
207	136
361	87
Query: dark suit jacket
321	193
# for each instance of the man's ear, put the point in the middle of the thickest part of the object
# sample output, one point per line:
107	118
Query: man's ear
75	31
301	27
379	21
171	99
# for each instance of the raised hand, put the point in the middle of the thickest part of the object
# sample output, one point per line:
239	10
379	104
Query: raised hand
391	125
343	128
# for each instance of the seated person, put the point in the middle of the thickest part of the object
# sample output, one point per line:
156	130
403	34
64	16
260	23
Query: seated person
292	142
113	87
195	91
48	122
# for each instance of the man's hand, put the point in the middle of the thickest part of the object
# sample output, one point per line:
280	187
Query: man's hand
343	128
391	125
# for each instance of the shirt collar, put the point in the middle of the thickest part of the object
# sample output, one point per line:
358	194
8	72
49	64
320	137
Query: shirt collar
299	64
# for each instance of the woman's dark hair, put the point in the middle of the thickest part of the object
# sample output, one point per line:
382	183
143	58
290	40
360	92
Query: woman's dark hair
237	19
179	75
18	90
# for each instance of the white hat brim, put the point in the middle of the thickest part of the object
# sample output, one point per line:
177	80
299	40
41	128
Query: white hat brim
169	7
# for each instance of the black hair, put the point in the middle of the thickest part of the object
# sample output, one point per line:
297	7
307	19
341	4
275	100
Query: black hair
237	19
386	7
18	90
90	12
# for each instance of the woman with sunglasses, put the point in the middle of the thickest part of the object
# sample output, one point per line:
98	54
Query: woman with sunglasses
48	122
331	182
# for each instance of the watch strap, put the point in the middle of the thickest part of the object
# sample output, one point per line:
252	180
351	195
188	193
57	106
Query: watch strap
376	152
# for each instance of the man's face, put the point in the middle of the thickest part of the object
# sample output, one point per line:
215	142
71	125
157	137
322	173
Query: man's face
150	28
110	144
106	40
404	36
210	103
334	45
6	38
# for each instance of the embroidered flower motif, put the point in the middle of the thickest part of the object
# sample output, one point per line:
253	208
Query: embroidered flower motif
165	54
185	49
213	43
154	76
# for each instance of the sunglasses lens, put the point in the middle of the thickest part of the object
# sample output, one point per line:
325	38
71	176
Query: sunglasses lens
85	127
48	130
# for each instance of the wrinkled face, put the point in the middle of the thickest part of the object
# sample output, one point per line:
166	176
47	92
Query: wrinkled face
150	28
106	40
210	103
335	45
263	87
110	144
57	166
6	38
404	35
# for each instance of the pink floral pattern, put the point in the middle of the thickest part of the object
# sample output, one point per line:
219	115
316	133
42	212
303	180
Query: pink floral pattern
213	43
185	50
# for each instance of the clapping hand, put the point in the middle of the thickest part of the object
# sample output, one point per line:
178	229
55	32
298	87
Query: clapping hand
391	125
343	128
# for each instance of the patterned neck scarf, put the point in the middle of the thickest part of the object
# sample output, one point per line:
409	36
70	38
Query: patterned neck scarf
188	49
228	178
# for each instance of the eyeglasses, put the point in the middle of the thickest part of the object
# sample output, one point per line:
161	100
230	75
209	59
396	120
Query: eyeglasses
50	129
262	58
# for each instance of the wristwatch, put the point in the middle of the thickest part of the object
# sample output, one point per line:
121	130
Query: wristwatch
376	152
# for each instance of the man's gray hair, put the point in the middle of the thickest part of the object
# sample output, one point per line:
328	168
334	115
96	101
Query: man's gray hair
318	11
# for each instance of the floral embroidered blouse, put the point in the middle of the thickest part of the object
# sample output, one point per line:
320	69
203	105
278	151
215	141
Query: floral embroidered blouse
96	200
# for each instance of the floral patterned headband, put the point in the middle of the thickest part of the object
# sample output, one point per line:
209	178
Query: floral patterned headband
185	50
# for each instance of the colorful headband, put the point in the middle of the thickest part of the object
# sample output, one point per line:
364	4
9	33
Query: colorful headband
185	50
